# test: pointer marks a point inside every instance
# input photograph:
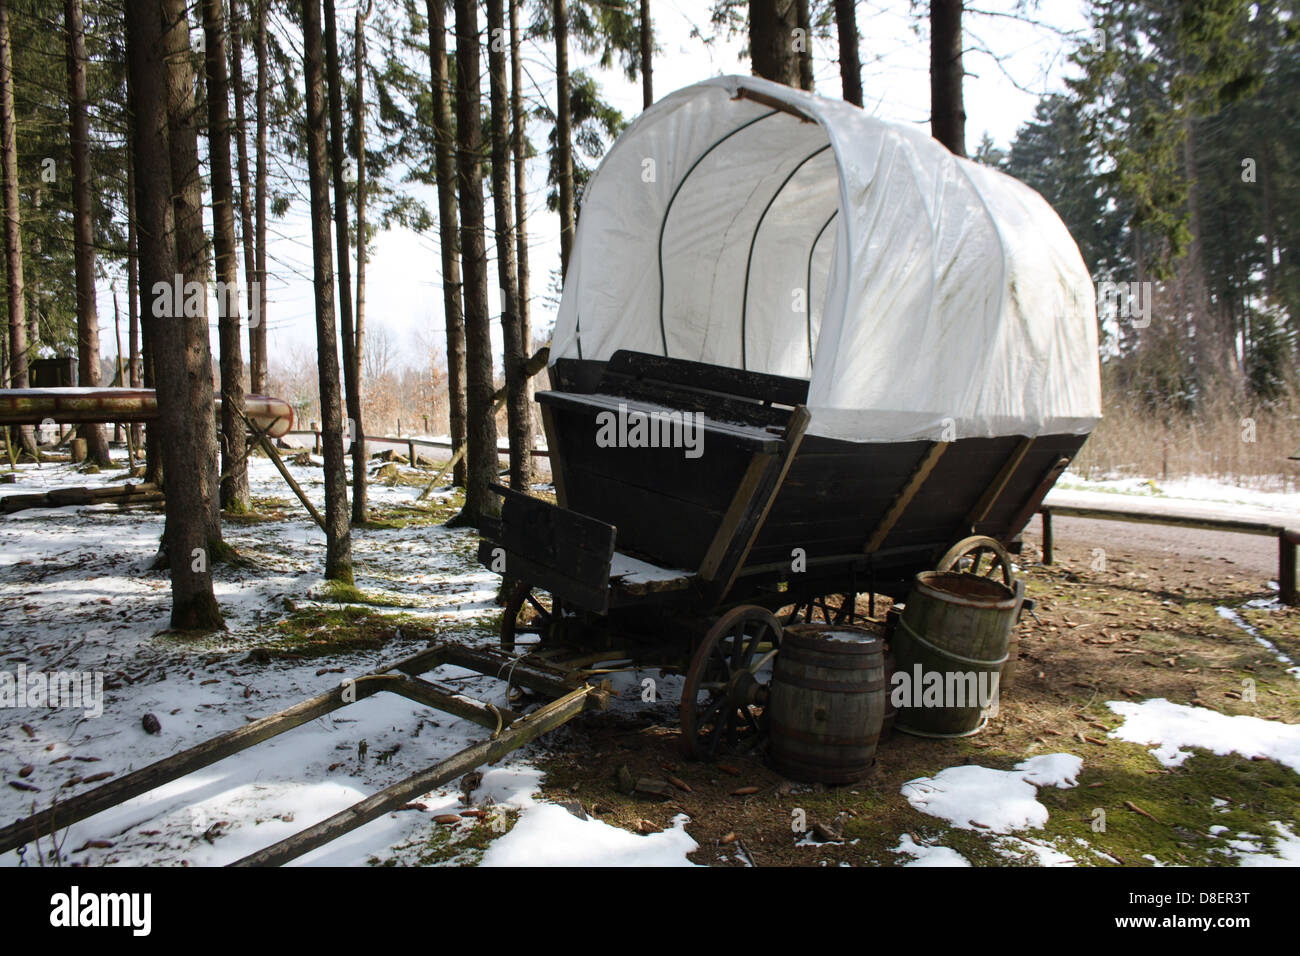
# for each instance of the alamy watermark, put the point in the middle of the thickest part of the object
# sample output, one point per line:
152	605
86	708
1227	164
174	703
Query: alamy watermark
1127	300
190	299
637	429
922	688
60	689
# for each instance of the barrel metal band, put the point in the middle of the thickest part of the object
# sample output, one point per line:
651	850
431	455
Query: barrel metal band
834	686
803	736
951	655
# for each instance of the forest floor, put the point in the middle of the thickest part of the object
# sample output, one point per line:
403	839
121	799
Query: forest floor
1154	720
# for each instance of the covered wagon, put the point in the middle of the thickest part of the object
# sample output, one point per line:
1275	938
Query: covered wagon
801	355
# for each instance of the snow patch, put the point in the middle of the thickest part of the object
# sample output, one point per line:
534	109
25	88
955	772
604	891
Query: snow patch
549	835
1229	614
1175	728
973	797
924	854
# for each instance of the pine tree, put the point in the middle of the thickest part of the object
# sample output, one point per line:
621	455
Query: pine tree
234	465
338	536
181	361
84	236
947	110
481	429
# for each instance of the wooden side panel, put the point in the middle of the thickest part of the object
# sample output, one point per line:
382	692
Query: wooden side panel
1002	521
937	515
553	548
833	496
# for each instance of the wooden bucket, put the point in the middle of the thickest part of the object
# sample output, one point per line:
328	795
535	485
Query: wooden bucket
951	644
827	702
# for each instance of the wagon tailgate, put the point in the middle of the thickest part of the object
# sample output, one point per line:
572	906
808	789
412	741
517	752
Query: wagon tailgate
557	550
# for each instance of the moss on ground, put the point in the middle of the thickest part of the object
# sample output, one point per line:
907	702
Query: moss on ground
322	631
462	844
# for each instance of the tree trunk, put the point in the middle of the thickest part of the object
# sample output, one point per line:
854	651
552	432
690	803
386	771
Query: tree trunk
519	146
132	277
13	233
481	428
647	60
246	228
88	374
517	409
234	465
846	23
771	40
177	344
1270	217
257	331
360	506
563	132
445	167
338	161
338	548
191	240
32	284
947	114
803	17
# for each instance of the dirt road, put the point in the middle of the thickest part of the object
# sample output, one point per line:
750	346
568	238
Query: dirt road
1245	554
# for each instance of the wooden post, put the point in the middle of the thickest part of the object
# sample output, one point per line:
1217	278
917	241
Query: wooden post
410	446
1047	535
269	448
1287	542
78	449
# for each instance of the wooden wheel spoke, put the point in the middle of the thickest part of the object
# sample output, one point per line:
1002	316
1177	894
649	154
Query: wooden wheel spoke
967	557
715	705
543	612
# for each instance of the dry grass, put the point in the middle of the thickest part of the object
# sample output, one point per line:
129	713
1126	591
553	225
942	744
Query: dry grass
1236	443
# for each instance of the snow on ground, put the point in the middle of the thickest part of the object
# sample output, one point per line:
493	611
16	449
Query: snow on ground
1176	728
549	835
973	797
925	854
1199	497
1036	851
77	594
1231	614
1287	850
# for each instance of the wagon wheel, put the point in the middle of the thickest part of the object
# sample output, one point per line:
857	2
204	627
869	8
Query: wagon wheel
807	612
528	611
978	555
725	683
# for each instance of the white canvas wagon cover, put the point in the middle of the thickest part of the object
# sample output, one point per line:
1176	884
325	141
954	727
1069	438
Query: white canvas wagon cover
746	224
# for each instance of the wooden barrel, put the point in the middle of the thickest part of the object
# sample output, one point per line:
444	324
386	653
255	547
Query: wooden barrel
827	702
891	712
950	647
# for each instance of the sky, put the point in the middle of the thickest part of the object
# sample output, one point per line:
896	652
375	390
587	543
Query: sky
403	289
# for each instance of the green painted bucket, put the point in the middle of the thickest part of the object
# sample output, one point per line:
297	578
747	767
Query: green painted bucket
950	647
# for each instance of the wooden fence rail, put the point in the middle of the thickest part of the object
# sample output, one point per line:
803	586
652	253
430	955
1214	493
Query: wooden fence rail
410	443
1287	539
